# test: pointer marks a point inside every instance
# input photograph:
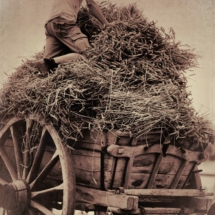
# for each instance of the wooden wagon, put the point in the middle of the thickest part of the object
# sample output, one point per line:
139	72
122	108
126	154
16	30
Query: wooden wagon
102	172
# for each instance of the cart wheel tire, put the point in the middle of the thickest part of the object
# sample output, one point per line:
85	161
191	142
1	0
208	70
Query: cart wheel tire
211	211
37	173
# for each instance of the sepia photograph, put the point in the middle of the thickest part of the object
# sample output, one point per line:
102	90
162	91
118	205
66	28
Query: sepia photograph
107	107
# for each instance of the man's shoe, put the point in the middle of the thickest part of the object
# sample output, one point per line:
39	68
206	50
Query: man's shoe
43	67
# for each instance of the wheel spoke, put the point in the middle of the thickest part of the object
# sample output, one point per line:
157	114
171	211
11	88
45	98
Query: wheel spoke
26	158
4	137
49	166
8	163
38	158
53	189
17	150
2	181
40	208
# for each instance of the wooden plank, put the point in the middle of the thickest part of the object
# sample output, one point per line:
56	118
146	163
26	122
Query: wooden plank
155	171
90	137
107	199
167	192
86	152
151	137
155	211
84	145
88	178
87	163
92	179
143	163
157	200
138	181
197	203
162	181
169	165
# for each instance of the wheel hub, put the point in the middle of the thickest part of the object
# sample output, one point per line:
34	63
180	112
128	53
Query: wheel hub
14	196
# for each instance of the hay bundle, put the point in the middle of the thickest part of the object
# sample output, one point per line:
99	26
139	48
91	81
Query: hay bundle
134	81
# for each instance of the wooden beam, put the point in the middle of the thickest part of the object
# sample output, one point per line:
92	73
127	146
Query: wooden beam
197	203
129	151
153	211
190	206
105	198
167	192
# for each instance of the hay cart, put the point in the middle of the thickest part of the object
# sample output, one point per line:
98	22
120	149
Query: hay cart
108	172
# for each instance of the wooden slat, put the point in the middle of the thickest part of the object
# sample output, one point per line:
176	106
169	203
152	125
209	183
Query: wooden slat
178	174
128	172
129	166
167	192
106	199
111	139
120	172
192	167
198	181
155	171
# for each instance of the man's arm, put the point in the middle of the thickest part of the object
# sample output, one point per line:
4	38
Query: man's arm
96	11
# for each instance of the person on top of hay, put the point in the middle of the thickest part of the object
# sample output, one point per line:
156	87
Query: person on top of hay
63	34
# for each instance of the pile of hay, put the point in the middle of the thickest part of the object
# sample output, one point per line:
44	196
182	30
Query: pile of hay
134	81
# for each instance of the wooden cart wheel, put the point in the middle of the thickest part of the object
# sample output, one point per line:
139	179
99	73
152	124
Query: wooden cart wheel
36	169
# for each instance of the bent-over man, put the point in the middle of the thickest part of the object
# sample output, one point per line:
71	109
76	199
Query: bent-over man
62	33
